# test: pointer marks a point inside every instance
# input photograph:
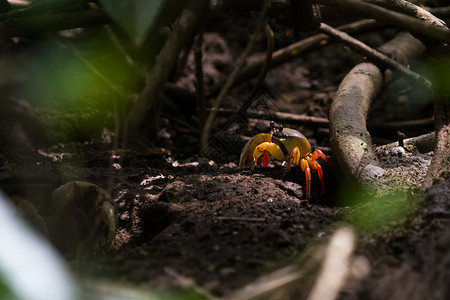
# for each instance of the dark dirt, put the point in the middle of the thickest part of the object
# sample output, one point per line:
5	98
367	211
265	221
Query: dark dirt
184	216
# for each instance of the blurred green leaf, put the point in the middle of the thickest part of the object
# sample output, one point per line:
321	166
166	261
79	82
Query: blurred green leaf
5	290
378	213
135	17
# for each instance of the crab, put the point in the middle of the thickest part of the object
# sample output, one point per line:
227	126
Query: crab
284	144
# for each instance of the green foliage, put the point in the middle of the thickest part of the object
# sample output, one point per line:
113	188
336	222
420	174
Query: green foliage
5	291
439	69
377	213
79	73
135	17
120	290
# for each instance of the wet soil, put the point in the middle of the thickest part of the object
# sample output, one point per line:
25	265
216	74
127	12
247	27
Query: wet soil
187	216
222	227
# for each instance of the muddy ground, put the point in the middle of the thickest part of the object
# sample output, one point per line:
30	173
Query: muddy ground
197	218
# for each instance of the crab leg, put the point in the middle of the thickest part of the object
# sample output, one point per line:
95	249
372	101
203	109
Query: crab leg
294	159
263	158
315	166
305	168
322	182
266	159
317	153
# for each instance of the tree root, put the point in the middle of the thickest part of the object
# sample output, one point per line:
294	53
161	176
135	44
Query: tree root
349	137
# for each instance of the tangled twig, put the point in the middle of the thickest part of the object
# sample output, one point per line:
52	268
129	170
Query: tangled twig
427	30
375	55
231	79
165	63
293	51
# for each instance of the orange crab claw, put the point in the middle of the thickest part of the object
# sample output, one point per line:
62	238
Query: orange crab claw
307	164
263	150
304	165
294	159
247	155
317	153
316	166
322	182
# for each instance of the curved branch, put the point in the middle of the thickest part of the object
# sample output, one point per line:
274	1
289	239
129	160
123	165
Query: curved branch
259	81
293	51
264	69
232	78
375	55
349	137
199	80
409	9
425	29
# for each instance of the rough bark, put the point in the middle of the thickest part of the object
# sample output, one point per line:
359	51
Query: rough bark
439	170
427	31
349	137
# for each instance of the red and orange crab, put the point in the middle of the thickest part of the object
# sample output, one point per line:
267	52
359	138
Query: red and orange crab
287	145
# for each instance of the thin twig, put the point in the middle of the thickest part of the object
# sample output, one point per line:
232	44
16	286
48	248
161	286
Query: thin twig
409	9
116	42
164	65
188	283
296	119
265	68
185	125
245	219
268	283
411	124
335	266
373	54
259	81
233	75
293	51
184	57
381	14
424	143
200	84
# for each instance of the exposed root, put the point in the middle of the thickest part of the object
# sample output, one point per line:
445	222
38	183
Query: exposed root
349	137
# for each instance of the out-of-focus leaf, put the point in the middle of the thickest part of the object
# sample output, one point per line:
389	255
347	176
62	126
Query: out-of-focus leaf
29	267
135	17
377	213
